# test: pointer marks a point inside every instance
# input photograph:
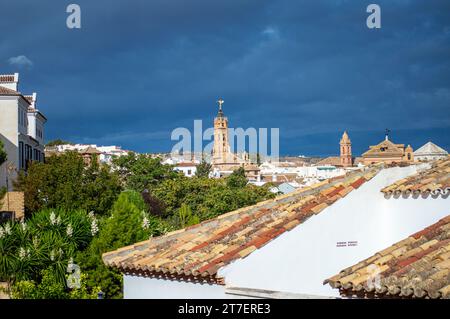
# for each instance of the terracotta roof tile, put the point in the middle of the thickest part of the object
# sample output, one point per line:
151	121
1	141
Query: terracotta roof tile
332	160
416	267
198	252
6	91
434	181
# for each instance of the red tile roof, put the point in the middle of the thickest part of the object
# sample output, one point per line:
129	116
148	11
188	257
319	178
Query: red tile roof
199	251
186	164
416	267
6	91
434	181
332	160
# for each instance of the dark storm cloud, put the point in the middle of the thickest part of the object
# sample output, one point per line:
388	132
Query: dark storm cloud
138	69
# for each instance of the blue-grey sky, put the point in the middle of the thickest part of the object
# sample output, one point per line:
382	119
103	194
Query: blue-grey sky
137	69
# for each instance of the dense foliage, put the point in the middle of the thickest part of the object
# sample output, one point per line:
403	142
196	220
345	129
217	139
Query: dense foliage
203	169
65	182
51	288
208	198
140	171
57	142
43	244
129	223
77	212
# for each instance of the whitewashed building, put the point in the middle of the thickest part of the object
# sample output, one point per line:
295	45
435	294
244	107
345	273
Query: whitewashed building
430	152
289	245
187	168
303	175
21	128
106	153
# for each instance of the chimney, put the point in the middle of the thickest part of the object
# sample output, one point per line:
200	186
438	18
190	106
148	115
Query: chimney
10	81
33	100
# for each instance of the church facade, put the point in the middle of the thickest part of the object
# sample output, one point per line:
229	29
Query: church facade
388	152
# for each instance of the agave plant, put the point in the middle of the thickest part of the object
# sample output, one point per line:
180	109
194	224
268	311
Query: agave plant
46	241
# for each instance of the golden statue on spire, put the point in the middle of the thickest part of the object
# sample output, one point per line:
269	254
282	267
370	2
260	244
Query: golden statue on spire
220	101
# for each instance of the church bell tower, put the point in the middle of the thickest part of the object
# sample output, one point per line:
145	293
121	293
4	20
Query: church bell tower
221	150
346	150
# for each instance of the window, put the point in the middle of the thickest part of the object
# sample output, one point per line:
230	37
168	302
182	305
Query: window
21	156
28	155
6	216
37	155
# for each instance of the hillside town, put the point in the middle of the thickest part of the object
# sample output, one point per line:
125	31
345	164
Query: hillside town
382	215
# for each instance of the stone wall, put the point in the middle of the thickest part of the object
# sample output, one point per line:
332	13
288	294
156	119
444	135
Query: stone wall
14	202
3	291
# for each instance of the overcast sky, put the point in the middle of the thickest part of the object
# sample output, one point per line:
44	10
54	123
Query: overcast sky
137	69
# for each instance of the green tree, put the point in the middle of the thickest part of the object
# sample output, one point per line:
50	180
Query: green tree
237	179
57	142
140	171
65	182
203	169
185	216
127	225
207	198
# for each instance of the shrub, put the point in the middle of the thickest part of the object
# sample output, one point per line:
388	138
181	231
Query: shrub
51	288
128	224
47	241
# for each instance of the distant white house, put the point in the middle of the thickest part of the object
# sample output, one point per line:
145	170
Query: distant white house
106	153
310	174
21	128
109	152
430	152
289	244
187	168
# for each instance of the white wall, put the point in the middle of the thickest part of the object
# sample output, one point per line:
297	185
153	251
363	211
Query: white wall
9	126
298	261
135	287
429	157
188	171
